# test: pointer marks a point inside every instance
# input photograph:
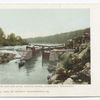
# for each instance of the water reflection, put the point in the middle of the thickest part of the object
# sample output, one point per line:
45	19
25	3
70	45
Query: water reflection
33	72
30	64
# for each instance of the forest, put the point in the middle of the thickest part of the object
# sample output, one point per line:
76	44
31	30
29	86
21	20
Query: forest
11	39
59	38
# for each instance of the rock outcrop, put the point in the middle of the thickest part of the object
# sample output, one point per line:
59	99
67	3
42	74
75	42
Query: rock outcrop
73	67
6	57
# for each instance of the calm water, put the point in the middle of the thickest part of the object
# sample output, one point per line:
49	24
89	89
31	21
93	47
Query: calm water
33	72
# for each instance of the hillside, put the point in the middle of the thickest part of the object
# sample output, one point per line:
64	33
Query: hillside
58	38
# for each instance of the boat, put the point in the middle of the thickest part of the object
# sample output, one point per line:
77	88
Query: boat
21	63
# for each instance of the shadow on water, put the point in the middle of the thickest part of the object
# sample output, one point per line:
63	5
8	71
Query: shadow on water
33	72
35	69
30	64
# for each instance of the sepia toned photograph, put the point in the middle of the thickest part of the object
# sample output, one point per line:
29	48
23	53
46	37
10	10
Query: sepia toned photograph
45	46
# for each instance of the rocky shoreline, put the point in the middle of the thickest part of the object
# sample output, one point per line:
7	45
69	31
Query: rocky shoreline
6	57
73	67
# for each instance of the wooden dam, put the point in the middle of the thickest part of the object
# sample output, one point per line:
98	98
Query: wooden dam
31	50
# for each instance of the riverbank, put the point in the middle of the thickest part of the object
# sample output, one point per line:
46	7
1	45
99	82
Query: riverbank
5	57
73	67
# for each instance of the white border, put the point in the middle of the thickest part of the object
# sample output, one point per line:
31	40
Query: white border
68	90
49	1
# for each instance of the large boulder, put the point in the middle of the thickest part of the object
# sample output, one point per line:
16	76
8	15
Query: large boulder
60	70
85	53
85	73
67	60
49	76
57	78
51	68
82	75
57	82
86	70
82	46
6	57
52	78
68	81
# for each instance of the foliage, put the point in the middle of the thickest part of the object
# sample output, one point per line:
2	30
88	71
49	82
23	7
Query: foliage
11	39
58	38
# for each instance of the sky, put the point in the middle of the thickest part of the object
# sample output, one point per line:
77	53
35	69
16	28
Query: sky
43	22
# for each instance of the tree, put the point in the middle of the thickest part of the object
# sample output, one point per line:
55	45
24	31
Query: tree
12	39
2	37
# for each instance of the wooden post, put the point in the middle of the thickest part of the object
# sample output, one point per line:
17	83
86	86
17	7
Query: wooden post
33	50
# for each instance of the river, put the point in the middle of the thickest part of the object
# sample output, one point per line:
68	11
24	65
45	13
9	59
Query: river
33	72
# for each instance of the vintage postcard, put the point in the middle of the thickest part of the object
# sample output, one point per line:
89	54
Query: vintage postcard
45	50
